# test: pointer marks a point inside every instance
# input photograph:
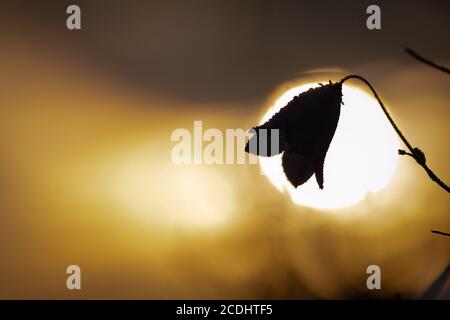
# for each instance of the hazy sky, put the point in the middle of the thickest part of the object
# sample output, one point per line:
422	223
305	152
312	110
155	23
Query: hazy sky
85	170
209	51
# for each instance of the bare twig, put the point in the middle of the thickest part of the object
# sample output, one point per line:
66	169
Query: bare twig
426	61
441	233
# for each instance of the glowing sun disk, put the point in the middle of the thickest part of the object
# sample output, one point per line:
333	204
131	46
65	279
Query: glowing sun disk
362	156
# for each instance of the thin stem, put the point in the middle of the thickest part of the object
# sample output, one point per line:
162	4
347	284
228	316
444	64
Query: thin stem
415	152
426	61
441	233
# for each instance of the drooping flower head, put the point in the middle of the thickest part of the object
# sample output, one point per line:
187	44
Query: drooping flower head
306	127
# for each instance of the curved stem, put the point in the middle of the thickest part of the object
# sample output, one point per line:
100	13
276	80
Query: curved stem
415	152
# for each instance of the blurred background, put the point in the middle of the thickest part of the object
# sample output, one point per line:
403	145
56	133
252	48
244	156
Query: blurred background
86	176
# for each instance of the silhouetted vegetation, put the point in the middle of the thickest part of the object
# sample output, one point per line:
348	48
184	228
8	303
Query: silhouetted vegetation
307	125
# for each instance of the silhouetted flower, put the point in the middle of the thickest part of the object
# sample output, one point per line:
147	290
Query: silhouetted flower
306	127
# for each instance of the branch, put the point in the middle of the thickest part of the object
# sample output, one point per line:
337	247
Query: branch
441	233
426	61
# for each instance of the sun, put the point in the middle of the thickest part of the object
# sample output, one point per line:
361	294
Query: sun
362	156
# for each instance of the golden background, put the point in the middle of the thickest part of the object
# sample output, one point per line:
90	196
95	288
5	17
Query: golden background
86	176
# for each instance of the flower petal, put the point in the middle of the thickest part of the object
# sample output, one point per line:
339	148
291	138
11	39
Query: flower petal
298	168
307	125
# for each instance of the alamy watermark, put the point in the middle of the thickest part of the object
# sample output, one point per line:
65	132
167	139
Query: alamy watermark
215	146
373	21
73	21
374	280
73	281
